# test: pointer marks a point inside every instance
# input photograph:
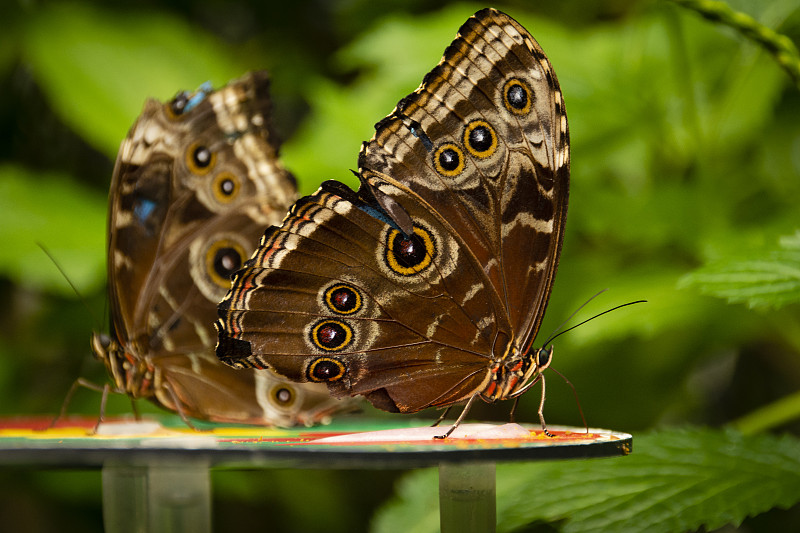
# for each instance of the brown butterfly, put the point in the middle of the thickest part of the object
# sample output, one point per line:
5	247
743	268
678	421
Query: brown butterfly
427	286
196	182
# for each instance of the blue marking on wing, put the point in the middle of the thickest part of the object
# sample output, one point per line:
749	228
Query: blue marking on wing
143	209
379	214
371	208
426	141
200	95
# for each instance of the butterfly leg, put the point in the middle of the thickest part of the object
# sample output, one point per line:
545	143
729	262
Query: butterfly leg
460	418
103	400
177	403
513	413
541	411
442	417
135	408
80	382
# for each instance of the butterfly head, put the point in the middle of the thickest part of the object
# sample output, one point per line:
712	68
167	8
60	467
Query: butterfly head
107	350
516	373
524	371
542	357
130	374
101	345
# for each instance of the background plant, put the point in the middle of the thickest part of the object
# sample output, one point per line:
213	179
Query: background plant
686	158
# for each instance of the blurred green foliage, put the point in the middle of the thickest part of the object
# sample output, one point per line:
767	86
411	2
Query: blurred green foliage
685	192
676	481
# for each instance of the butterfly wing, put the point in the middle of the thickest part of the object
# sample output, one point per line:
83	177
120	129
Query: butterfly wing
449	247
179	173
333	296
196	181
489	151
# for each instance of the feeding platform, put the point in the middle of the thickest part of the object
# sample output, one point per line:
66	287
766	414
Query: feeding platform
156	471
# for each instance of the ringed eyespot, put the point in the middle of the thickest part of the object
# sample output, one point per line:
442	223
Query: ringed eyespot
517	97
331	335
176	107
325	369
282	395
226	187
448	160
223	259
480	139
407	256
200	159
343	299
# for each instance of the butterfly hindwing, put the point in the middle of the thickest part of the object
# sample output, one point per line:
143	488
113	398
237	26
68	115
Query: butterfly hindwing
349	297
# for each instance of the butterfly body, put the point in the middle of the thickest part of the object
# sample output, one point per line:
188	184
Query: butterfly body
427	286
195	183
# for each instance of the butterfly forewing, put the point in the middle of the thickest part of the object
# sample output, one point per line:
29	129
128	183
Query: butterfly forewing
413	290
494	104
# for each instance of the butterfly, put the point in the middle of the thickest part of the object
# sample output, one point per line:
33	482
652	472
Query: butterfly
196	182
427	286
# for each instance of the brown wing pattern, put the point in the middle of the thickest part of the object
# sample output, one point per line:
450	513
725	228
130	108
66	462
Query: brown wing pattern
507	195
195	184
412	290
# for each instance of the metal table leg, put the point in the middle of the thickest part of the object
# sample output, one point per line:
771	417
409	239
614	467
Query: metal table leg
156	497
467	500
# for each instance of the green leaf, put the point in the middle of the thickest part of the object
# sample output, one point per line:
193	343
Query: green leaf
676	480
770	280
97	68
65	218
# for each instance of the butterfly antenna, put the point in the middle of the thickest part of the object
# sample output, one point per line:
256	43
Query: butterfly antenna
574	393
69	281
552	337
570	317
